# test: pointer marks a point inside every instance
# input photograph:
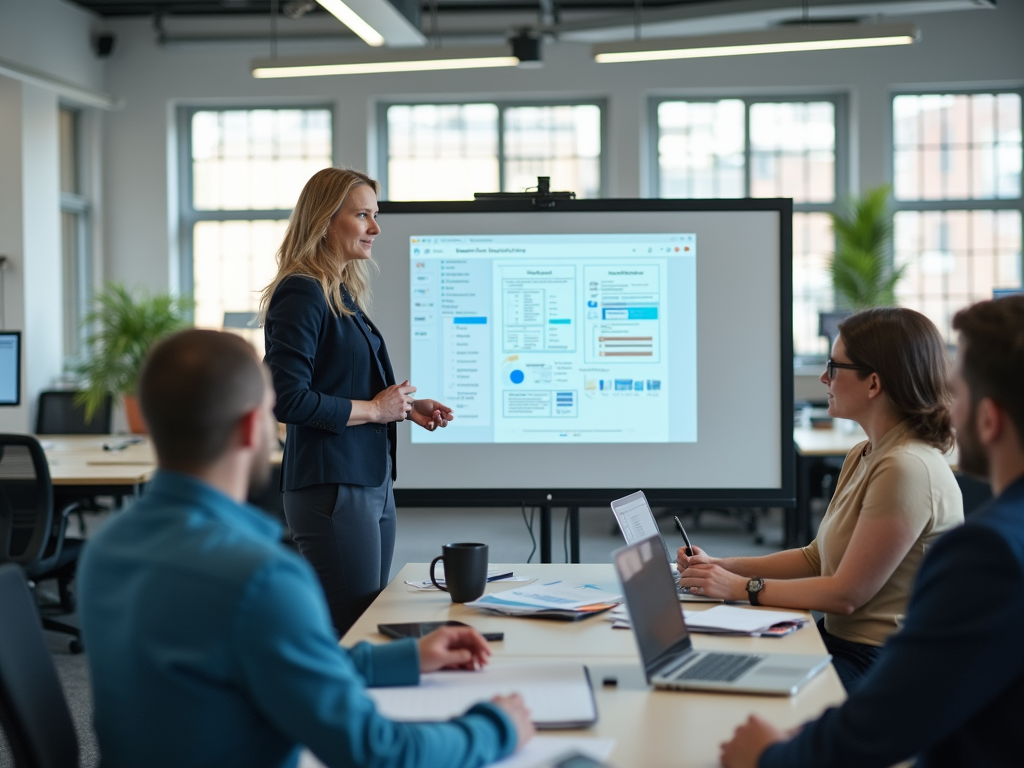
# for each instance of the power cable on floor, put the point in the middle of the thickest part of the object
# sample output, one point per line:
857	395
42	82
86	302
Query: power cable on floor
529	528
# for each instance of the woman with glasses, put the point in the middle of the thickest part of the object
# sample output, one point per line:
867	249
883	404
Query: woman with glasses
895	495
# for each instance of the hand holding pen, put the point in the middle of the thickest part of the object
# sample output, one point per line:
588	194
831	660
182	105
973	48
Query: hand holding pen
689	555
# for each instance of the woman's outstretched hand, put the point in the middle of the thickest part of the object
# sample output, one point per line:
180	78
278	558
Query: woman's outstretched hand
431	414
394	403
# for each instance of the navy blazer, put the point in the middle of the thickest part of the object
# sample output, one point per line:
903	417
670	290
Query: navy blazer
320	363
949	685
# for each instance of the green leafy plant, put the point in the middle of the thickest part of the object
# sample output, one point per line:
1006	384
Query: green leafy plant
124	326
861	274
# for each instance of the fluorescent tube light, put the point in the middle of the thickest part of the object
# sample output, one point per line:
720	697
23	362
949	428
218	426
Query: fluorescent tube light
403	60
782	40
353	21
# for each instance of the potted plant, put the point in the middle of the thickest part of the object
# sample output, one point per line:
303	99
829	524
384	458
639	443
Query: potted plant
123	328
862	274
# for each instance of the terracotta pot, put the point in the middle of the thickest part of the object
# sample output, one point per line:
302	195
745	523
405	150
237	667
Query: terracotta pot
136	424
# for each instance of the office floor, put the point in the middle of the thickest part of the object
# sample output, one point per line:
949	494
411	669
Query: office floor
421	532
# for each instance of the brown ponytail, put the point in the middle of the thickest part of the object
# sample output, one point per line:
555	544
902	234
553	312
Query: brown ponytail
906	351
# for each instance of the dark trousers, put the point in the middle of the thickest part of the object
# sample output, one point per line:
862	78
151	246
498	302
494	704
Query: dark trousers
851	660
347	533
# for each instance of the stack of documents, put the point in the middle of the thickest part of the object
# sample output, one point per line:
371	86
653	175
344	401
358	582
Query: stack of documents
729	620
554	600
734	620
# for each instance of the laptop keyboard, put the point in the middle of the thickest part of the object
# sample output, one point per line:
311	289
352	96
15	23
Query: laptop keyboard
719	667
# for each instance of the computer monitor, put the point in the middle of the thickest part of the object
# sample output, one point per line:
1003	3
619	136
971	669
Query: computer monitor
998	293
10	368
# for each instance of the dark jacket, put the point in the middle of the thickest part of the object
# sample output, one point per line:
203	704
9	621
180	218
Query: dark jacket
949	686
320	363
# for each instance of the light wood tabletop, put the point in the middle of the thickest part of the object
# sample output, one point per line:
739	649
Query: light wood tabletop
651	728
82	460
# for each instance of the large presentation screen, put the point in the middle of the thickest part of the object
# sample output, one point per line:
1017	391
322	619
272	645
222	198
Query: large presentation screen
599	347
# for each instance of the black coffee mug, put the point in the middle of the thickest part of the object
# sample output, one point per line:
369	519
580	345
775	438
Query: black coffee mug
465	571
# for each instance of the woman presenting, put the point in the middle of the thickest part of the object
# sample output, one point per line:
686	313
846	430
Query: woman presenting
894	497
336	391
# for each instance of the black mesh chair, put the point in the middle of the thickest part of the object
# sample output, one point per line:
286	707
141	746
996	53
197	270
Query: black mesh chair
33	711
31	534
58	415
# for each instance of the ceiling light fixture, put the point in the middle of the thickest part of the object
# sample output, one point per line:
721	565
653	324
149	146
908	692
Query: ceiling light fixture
353	21
407	60
784	40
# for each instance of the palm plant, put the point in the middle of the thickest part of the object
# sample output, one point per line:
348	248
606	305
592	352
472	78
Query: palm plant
861	273
123	329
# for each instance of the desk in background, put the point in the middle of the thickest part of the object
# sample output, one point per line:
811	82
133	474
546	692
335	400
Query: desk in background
817	448
651	728
80	467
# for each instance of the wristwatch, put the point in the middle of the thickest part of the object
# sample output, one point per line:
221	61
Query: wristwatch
754	587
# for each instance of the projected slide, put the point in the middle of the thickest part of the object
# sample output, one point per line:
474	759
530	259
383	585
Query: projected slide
557	338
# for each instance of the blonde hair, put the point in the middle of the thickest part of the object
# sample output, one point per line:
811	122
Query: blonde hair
306	250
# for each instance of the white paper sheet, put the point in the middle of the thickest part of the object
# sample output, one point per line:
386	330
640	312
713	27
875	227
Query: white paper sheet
731	618
554	692
541	751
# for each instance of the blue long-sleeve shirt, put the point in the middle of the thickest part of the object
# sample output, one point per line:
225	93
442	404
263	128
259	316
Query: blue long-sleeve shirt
210	644
949	686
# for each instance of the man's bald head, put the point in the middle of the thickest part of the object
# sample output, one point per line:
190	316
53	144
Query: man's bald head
194	388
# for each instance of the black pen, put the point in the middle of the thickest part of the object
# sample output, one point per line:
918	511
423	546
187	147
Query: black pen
689	549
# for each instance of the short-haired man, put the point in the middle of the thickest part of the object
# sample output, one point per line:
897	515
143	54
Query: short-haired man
209	643
949	687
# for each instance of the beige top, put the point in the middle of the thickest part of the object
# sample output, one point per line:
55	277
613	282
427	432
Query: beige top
900	476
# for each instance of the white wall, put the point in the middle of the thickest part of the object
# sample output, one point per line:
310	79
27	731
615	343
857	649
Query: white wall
961	49
29	180
54	38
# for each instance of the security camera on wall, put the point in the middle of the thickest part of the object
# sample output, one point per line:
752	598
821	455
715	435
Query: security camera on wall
103	44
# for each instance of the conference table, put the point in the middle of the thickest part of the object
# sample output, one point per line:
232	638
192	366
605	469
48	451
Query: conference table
650	728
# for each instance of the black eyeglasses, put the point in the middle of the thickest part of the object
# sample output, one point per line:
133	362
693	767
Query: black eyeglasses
831	365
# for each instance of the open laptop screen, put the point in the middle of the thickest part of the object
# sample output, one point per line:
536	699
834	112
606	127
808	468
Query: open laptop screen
651	598
636	521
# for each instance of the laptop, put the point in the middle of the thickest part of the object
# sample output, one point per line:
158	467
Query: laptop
668	656
636	521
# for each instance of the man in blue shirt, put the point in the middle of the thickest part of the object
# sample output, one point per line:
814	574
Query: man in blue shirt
949	687
209	643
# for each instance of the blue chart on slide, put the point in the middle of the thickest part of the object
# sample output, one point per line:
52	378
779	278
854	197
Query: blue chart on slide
557	338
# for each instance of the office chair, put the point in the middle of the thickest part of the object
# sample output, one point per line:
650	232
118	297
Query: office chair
58	415
31	535
33	712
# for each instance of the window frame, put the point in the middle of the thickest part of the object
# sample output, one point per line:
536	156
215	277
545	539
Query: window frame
502	104
839	101
79	204
842	149
951	204
188	216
